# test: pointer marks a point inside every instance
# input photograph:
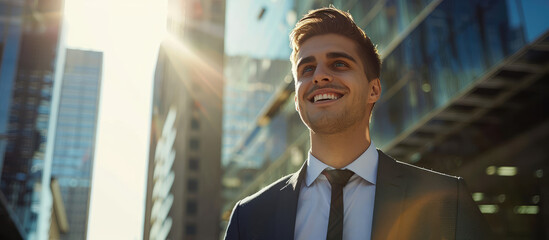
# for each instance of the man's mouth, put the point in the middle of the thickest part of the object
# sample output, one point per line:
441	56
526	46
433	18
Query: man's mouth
325	97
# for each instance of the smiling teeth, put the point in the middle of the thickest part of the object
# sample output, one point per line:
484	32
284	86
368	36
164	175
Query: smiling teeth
326	96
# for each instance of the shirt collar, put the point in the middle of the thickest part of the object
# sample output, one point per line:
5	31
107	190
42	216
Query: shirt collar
365	166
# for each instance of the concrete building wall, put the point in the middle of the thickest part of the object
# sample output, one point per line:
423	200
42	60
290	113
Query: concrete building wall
183	187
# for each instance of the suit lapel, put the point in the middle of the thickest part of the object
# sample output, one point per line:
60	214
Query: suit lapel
388	204
287	205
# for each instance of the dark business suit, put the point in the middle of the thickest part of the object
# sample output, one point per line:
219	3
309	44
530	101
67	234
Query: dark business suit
410	203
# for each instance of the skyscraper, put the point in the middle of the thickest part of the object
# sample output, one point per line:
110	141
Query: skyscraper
29	36
75	134
463	92
184	174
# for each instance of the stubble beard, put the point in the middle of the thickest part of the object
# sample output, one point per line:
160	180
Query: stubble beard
332	123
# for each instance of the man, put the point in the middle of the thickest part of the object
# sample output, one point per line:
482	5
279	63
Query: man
370	196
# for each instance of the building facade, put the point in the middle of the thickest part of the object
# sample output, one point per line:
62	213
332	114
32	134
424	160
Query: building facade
29	39
183	185
75	134
250	82
463	84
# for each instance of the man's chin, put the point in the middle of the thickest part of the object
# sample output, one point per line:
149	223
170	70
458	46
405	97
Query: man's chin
326	126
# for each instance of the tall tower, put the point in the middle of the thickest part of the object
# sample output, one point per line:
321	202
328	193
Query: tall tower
183	186
29	38
75	135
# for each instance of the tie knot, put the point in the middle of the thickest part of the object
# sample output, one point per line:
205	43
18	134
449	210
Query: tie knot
338	176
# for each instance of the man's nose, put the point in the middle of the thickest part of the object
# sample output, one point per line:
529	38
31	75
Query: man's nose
322	75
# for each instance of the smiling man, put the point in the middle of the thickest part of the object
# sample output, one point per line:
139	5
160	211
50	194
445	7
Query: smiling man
347	189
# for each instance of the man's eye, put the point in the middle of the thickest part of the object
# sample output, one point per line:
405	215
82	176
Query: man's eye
339	64
307	69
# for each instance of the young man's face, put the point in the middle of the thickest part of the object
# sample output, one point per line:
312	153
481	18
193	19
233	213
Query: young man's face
333	93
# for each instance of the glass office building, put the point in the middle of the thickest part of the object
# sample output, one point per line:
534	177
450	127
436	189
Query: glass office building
75	134
29	35
464	92
250	83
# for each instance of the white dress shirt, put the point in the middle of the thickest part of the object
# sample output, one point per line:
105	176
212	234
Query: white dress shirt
313	207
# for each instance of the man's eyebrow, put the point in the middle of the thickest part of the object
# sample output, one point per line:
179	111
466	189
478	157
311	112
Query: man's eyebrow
340	55
305	60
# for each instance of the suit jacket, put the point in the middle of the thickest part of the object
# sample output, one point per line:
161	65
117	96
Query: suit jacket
410	203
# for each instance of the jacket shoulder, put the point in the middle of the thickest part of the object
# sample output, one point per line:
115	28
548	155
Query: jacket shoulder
254	217
426	174
429	198
418	180
267	193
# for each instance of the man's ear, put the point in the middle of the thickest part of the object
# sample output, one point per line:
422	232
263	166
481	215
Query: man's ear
295	102
375	90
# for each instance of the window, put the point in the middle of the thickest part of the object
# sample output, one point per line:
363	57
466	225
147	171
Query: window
191	207
193	163
192	185
195	124
190	229
194	144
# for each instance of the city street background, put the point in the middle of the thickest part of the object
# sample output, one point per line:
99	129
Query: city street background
162	114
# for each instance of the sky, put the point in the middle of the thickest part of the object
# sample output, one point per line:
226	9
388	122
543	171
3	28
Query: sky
128	32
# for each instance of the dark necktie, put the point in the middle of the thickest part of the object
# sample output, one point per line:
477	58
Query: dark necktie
338	179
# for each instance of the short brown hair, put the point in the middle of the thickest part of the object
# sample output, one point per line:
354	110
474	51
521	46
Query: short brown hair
332	20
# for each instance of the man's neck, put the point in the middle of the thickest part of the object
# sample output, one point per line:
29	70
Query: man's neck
340	149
